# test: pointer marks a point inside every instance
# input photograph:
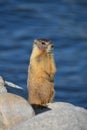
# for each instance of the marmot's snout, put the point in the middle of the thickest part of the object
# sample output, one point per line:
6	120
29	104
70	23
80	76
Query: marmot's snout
50	48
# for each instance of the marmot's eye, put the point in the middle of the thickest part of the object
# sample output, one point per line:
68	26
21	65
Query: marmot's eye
43	43
52	46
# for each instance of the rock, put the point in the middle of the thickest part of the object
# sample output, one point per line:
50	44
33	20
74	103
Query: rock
2	86
13	110
81	113
64	116
82	117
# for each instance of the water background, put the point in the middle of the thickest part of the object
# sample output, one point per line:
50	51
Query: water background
62	21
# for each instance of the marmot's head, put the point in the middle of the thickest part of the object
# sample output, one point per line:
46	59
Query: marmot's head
44	45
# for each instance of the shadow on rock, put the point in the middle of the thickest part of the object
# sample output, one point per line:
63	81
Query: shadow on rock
40	109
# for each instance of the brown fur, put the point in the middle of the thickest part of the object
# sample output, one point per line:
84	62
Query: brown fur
41	73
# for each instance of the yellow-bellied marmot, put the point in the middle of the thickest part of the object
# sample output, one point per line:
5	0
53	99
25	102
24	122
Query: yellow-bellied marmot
41	73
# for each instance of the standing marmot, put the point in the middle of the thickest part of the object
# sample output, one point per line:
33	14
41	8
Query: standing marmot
41	73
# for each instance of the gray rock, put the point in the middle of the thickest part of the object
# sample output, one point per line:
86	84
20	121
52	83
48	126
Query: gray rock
82	117
13	110
64	116
2	86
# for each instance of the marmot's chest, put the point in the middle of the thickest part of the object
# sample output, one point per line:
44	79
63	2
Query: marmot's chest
40	66
45	63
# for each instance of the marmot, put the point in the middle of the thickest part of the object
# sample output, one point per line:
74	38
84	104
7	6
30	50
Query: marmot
41	73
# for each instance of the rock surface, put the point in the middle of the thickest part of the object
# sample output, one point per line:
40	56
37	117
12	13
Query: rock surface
64	116
2	86
13	110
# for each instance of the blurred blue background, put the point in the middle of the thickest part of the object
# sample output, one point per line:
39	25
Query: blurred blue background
62	21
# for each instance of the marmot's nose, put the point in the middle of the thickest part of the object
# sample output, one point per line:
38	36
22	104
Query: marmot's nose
52	46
